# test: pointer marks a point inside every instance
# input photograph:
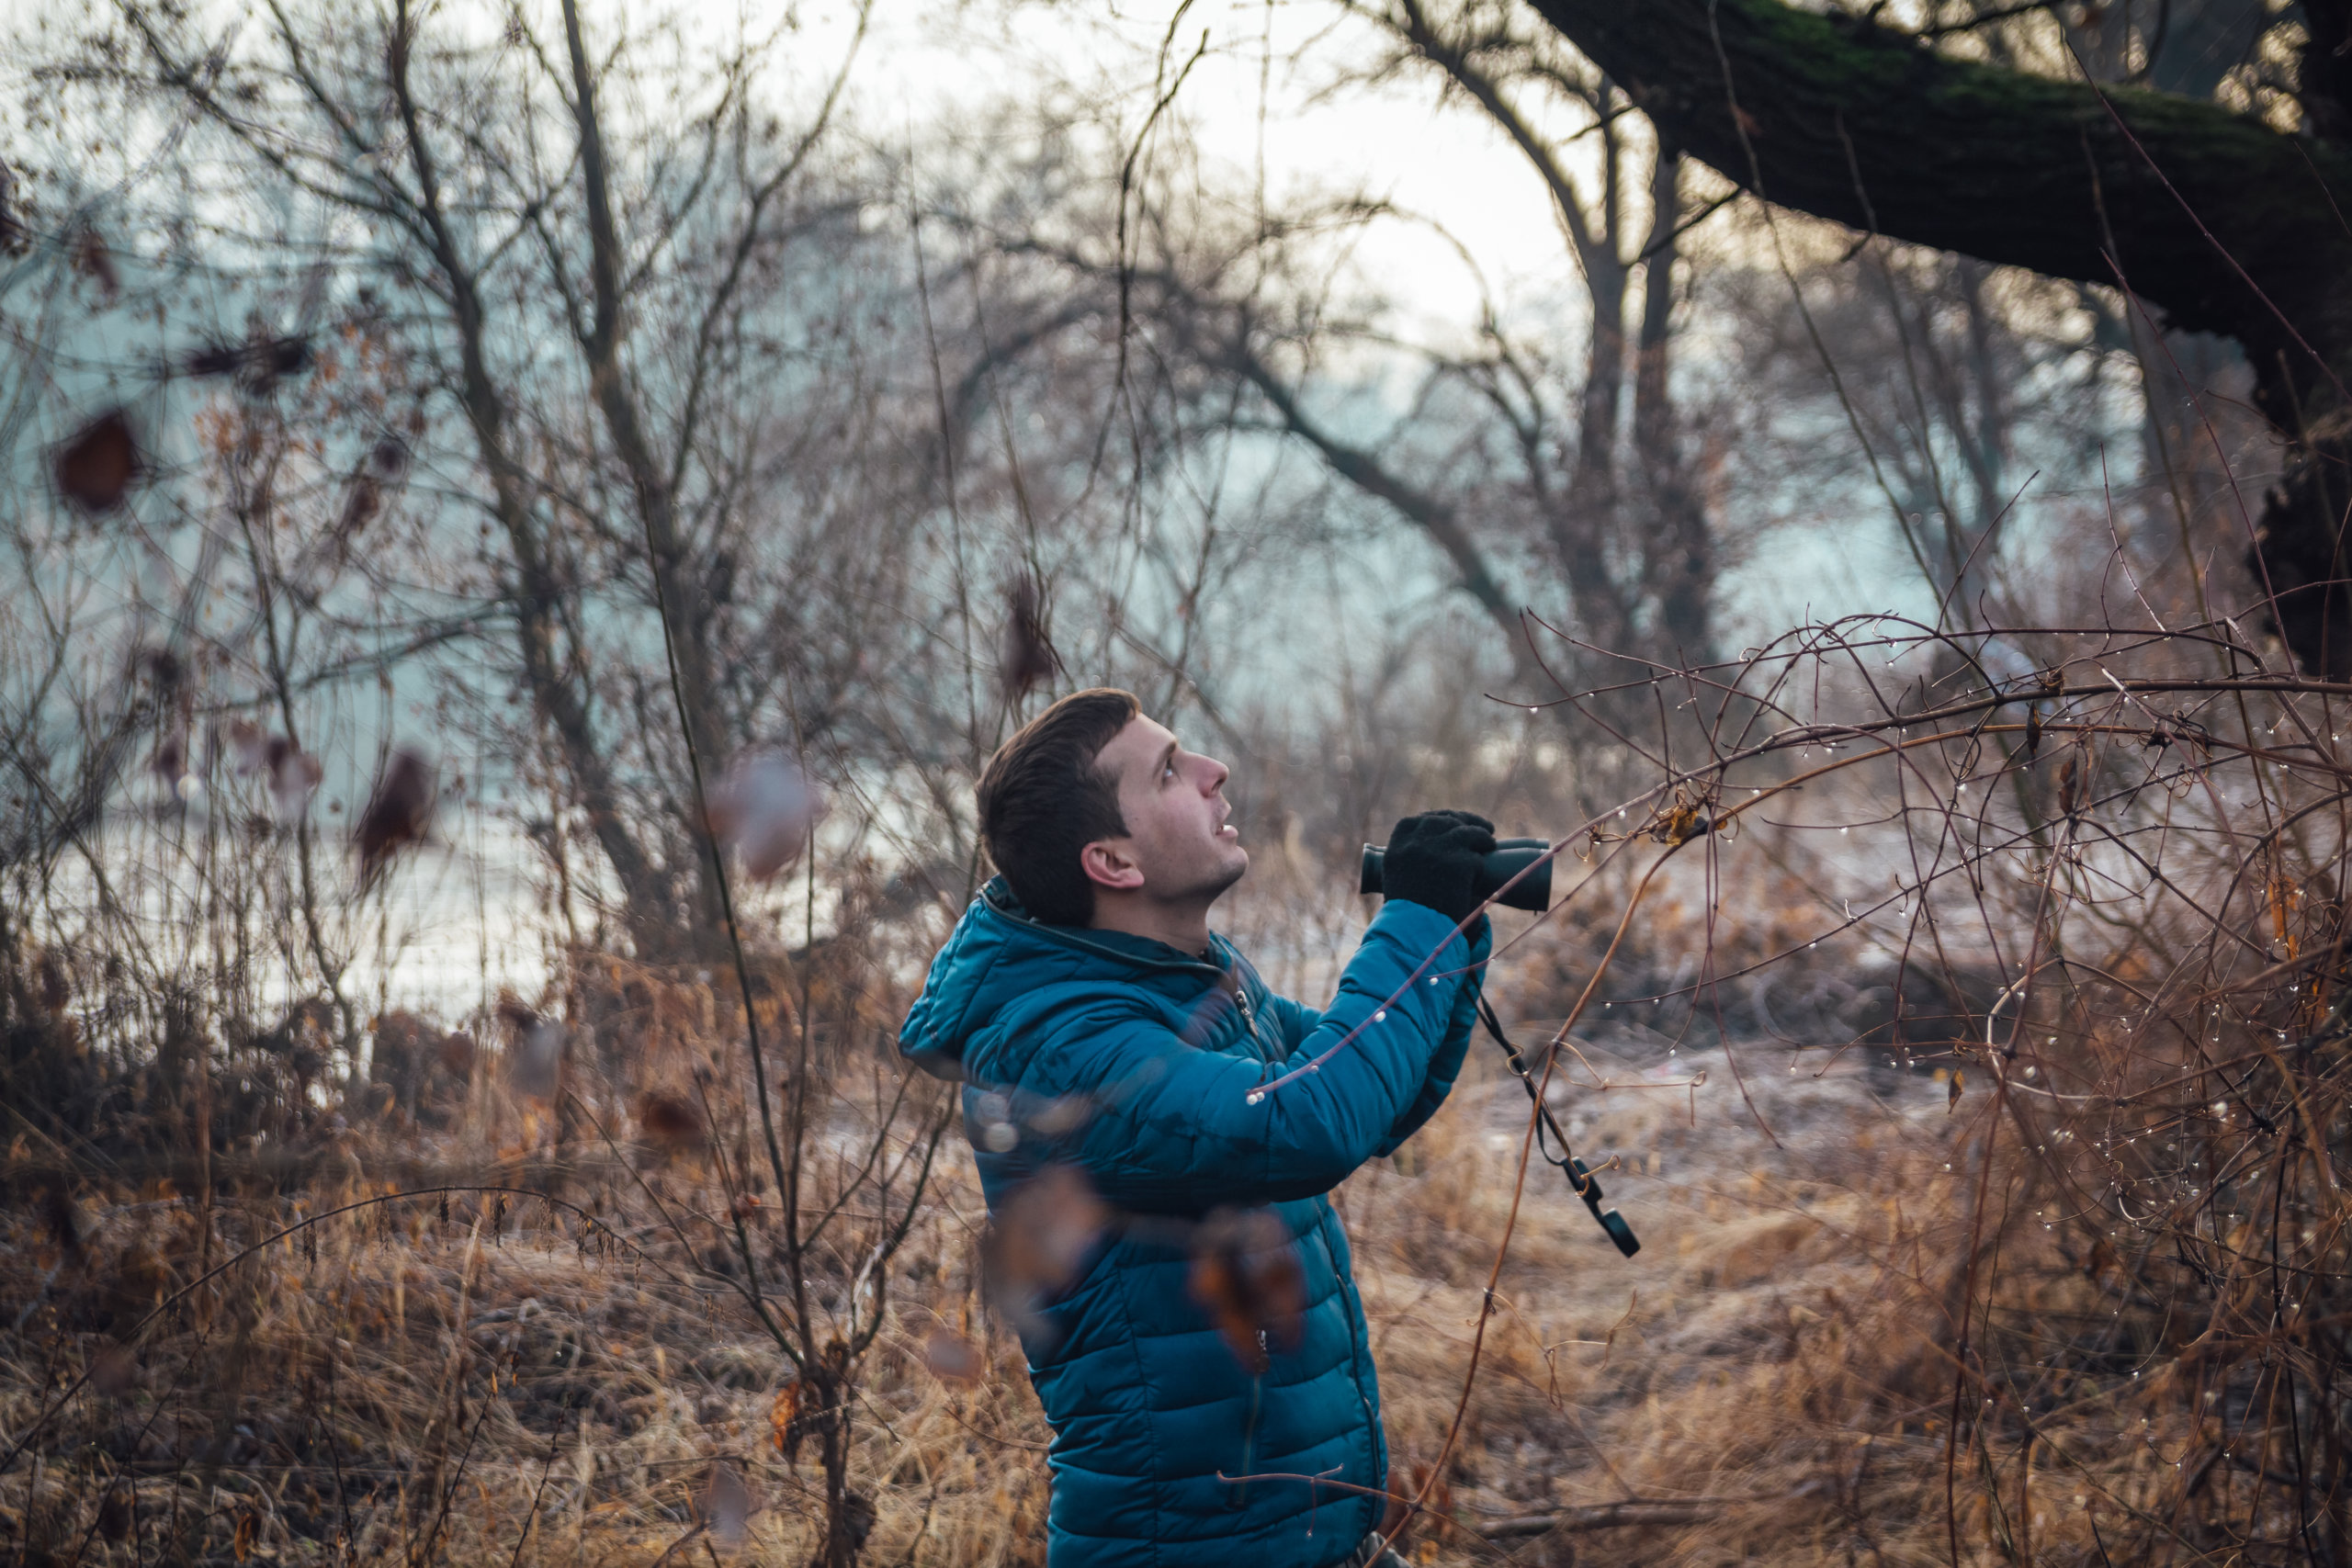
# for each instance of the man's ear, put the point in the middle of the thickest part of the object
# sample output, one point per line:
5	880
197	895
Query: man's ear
1107	864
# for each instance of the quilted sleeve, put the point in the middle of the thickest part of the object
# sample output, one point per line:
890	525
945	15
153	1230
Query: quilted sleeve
1172	1128
1445	1062
1297	1022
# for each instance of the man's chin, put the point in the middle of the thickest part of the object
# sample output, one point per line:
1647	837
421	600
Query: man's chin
1231	874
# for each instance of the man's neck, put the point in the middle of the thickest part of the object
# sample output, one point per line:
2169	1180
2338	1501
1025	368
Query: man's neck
1184	927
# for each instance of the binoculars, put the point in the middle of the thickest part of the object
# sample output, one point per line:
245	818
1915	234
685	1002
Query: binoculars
1509	857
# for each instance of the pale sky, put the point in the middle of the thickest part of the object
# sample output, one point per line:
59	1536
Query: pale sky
922	58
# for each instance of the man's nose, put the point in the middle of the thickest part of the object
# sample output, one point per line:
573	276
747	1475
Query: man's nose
1216	772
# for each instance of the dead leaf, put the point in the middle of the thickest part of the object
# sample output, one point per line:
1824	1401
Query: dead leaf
764	807
1245	1272
536	1067
1432	1489
397	815
1028	656
55	980
1039	1240
670	1121
170	761
1951	1094
387	459
727	1505
97	466
248	747
360	502
952	1358
294	775
788	1423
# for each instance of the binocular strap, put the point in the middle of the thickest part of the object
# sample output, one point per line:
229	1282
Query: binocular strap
1581	1179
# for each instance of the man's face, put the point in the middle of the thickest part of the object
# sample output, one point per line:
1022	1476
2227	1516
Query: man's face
1179	846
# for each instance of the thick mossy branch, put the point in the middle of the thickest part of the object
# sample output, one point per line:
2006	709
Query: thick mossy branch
1841	117
1858	123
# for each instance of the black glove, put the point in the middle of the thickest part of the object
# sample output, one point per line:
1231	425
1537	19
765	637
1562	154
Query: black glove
1434	860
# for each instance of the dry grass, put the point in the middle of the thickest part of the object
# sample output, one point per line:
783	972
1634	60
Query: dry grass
412	1381
1881	1316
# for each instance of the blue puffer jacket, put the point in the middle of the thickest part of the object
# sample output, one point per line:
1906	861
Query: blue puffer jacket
1159	1052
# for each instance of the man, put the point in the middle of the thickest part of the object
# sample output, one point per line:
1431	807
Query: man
1101	1028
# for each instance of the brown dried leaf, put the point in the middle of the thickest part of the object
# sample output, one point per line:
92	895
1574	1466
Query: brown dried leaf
360	502
97	466
1245	1272
55	980
1034	1250
670	1121
163	667
387	459
1951	1095
397	815
1028	656
1432	1489
784	1424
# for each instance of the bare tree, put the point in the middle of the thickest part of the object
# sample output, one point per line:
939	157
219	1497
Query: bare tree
2229	222
588	303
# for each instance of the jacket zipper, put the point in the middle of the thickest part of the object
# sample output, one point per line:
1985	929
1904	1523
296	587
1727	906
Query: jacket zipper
1248	1014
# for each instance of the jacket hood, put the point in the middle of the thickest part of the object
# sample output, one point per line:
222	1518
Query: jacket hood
999	953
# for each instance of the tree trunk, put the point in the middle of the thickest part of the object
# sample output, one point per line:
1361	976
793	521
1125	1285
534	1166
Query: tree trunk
684	629
1839	117
534	585
1681	563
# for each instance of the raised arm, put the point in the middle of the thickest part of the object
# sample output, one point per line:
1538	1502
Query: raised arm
1298	1020
1174	1128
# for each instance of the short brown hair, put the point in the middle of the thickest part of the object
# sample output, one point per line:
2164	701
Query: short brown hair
1043	800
